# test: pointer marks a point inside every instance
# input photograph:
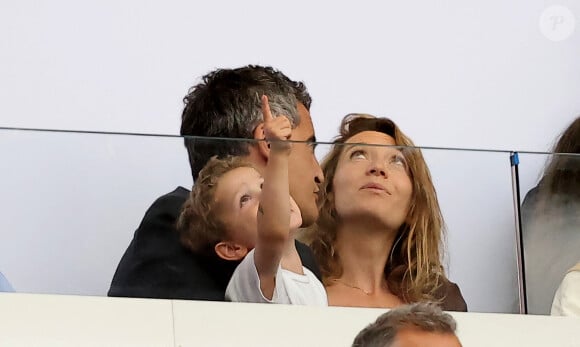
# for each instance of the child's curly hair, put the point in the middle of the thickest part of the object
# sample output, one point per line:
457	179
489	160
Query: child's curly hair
199	227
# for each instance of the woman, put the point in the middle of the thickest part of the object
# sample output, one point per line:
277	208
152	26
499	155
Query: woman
551	222
379	235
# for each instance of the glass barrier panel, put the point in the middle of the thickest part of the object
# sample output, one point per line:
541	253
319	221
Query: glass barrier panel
73	202
475	192
550	212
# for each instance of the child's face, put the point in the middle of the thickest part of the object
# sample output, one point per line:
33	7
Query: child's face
237	198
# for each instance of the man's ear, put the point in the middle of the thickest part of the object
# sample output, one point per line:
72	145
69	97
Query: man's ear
262	146
228	250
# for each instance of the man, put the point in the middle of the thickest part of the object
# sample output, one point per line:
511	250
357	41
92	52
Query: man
225	104
414	325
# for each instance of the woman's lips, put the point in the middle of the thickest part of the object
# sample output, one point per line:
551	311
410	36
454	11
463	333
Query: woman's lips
375	186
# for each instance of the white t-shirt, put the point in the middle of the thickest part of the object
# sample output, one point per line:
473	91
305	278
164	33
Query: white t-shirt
291	288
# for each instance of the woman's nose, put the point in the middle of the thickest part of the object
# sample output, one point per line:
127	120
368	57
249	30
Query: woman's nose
377	169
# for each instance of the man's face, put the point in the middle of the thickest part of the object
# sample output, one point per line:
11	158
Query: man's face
413	337
304	171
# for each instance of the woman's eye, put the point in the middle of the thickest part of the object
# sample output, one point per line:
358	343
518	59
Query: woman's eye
399	160
358	154
245	198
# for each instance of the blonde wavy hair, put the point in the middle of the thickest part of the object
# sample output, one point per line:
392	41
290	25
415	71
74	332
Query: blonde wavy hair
414	271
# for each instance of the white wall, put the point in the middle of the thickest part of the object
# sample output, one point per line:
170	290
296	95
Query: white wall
49	320
455	74
481	73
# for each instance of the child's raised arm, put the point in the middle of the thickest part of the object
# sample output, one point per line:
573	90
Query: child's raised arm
274	209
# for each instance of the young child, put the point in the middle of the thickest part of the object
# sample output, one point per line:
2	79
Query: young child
238	214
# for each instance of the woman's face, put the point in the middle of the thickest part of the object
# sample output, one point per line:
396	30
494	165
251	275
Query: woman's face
372	183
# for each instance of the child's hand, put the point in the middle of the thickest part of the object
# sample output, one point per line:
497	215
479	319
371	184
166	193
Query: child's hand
276	130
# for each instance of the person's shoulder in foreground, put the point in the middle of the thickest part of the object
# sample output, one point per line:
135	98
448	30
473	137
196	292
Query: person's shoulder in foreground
419	324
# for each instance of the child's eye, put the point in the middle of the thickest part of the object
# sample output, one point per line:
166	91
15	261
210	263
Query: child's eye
244	198
358	154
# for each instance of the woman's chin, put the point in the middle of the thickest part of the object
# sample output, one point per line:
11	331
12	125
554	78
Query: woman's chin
295	223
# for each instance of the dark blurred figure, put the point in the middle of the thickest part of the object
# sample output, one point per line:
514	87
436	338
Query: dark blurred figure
551	222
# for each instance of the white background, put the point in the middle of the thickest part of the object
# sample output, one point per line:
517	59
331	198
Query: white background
455	74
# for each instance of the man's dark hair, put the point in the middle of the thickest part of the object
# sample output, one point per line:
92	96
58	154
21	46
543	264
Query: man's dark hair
227	104
421	316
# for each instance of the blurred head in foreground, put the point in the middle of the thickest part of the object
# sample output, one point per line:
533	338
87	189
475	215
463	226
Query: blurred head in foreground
419	324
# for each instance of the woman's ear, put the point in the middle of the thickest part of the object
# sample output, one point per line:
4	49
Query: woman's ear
262	145
228	250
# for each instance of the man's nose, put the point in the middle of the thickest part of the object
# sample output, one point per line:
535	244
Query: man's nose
318	174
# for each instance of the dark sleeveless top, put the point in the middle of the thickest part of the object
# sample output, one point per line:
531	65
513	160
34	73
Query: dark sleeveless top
451	297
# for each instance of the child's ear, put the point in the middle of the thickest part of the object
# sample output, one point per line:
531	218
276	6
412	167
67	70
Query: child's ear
228	250
262	146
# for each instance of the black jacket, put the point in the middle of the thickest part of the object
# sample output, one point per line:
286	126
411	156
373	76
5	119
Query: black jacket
156	265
